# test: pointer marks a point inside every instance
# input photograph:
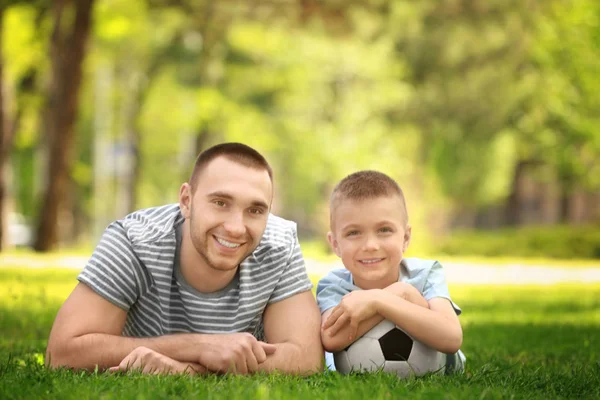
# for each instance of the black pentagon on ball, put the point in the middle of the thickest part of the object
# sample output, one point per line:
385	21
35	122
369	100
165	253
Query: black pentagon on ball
396	345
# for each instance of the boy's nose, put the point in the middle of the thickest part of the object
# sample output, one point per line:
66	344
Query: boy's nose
371	244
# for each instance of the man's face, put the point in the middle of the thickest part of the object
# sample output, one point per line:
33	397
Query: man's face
228	212
371	236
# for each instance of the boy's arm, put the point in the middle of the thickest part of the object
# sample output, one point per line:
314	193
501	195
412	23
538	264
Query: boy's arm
437	327
348	334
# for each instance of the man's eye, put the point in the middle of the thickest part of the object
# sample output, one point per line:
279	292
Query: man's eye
256	211
219	203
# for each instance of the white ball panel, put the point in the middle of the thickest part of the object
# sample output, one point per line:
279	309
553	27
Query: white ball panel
380	329
342	364
365	355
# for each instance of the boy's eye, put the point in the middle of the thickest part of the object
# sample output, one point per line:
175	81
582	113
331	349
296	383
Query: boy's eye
385	229
219	203
352	233
256	211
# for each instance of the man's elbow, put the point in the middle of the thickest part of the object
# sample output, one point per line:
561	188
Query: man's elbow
56	355
61	354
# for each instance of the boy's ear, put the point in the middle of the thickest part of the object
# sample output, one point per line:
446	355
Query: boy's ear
407	236
333	244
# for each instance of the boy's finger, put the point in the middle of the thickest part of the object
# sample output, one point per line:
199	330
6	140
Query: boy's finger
114	369
339	324
333	317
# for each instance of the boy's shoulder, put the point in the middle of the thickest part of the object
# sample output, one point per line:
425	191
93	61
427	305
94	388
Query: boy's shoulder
339	277
417	266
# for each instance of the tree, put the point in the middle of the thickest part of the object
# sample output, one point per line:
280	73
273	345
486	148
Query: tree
67	52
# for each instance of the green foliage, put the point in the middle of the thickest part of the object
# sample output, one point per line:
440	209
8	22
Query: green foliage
446	97
534	342
547	242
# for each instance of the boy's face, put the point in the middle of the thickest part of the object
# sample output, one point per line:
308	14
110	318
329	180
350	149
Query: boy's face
370	236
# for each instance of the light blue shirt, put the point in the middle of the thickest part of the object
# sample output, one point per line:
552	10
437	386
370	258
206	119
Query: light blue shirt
427	276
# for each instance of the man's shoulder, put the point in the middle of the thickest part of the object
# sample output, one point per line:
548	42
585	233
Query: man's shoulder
152	224
279	233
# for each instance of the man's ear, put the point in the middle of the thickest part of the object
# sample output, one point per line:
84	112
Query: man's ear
185	199
407	236
333	244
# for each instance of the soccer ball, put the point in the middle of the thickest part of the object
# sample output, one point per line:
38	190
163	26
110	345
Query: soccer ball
386	347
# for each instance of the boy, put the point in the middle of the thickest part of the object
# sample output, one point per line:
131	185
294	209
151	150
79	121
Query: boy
370	233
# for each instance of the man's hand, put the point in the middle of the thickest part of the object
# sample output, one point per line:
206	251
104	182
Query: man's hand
238	353
148	361
354	308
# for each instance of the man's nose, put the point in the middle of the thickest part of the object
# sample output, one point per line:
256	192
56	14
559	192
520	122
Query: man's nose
234	225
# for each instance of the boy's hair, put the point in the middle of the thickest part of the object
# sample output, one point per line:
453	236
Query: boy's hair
363	185
236	152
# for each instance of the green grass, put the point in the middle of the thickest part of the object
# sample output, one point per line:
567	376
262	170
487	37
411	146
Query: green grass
521	342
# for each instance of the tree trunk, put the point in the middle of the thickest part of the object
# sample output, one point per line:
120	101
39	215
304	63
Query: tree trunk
514	202
67	51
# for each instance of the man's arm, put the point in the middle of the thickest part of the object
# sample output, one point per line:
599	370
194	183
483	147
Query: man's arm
292	325
87	333
346	336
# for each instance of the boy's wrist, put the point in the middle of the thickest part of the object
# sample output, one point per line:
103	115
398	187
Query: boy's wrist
382	298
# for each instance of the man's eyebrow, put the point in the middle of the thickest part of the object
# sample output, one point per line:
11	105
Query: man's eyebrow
225	195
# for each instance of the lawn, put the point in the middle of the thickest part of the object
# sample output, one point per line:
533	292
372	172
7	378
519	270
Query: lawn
522	342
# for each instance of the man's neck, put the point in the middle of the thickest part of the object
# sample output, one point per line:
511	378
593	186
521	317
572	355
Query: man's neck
196	270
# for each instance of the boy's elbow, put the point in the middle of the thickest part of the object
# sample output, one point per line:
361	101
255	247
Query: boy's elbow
332	344
453	342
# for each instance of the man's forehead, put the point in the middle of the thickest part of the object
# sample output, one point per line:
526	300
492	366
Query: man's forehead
228	179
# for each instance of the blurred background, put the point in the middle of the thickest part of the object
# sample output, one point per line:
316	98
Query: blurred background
487	112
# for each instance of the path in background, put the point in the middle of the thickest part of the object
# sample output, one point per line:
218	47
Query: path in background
467	273
460	273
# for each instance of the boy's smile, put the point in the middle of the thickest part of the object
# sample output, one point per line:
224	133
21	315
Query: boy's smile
370	236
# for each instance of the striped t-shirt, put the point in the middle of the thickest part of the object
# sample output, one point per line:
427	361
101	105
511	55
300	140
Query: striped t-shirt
136	267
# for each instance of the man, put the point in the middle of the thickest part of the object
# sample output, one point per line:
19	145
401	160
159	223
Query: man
213	284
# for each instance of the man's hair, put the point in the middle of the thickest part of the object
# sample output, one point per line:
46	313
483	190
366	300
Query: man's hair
363	185
236	152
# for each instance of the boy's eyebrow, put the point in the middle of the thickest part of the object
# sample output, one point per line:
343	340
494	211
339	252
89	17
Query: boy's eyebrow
225	195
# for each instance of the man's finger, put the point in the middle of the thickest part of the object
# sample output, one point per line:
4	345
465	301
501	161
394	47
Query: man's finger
259	352
251	362
268	348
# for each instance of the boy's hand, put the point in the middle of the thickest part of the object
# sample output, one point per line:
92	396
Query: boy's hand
354	308
407	292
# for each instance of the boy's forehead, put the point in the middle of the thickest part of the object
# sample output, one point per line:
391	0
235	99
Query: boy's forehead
345	211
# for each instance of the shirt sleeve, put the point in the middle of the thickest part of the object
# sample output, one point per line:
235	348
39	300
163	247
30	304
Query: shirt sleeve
330	291
114	271
436	286
294	278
